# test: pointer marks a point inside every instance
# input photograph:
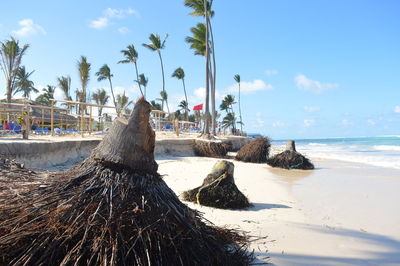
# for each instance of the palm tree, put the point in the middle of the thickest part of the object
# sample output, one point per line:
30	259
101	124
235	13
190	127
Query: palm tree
105	73
229	121
164	98
10	59
84	76
23	83
157	45
143	82
203	8
185	107
237	79
123	102
46	96
155	106
65	85
131	56
100	97
198	40
180	74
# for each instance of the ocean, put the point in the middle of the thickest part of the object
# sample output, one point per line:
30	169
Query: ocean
378	151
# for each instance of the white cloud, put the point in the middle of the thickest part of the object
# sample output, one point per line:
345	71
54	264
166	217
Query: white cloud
279	124
123	30
28	28
200	95
119	13
314	86
311	109
99	23
397	109
109	15
371	122
308	122
346	123
271	72
250	87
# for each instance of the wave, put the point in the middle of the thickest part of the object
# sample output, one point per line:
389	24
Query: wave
386	148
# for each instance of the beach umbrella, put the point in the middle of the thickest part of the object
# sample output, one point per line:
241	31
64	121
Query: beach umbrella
290	159
113	209
218	189
256	151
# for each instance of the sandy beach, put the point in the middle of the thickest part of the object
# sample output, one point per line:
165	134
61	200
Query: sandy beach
339	214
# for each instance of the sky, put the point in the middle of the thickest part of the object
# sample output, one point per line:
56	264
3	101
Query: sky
309	68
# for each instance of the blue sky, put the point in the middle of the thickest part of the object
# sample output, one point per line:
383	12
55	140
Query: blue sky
310	69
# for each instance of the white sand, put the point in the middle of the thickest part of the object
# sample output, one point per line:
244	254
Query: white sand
339	214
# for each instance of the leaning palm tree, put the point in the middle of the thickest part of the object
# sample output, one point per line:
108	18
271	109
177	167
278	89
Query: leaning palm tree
180	74
10	60
84	76
105	73
131	56
100	97
23	83
237	79
156	45
143	82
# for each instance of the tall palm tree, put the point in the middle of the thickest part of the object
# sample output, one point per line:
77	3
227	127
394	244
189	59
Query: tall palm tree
156	45
143	82
123	102
103	74
84	76
237	79
131	56
23	83
10	59
100	97
179	73
185	107
203	8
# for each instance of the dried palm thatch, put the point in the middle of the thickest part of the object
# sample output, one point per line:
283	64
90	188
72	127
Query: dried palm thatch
218	189
114	209
211	149
290	159
255	151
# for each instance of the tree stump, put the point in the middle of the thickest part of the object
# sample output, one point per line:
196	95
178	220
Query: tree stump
218	189
113	209
290	159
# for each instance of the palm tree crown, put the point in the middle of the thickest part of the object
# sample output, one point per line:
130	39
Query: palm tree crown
178	73
131	56
198	40
23	83
198	7
65	85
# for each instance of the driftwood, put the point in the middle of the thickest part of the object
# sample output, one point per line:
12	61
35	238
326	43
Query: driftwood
211	148
113	209
218	189
255	151
290	159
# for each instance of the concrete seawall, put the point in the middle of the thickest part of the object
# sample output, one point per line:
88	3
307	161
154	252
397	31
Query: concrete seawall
47	154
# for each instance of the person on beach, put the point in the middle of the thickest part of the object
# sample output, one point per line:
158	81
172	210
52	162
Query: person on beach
176	125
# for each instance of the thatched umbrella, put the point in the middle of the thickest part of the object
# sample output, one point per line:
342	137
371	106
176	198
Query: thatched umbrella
113	209
216	149
218	189
255	151
290	159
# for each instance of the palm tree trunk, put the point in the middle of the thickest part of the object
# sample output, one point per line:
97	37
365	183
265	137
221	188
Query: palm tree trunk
184	89
163	79
112	93
206	129
137	79
9	90
214	77
240	114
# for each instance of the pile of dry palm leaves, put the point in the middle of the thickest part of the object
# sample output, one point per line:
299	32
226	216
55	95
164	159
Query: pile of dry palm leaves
290	159
113	209
256	151
211	148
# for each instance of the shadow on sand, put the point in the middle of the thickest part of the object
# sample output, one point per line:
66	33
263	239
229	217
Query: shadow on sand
266	206
386	251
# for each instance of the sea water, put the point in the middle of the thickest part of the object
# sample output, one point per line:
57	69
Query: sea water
378	151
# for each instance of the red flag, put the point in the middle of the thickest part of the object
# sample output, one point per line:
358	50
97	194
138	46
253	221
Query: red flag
198	107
